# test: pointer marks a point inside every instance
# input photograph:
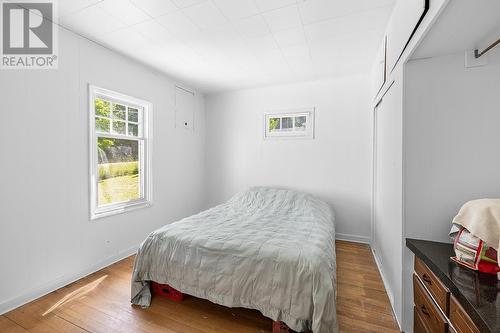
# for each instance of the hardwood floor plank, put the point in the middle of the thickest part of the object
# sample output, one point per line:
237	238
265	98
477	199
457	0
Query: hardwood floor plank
35	318
8	326
100	302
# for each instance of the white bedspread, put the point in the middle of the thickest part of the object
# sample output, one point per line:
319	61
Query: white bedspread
267	249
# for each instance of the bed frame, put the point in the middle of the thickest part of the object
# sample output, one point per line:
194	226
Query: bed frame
172	294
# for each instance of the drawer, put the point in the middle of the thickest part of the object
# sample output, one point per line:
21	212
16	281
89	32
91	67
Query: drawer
459	319
428	311
418	323
433	284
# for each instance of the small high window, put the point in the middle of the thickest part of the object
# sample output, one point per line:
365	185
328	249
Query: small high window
290	124
120	152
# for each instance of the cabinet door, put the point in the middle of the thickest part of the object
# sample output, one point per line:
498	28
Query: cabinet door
429	312
419	324
437	289
405	19
460	319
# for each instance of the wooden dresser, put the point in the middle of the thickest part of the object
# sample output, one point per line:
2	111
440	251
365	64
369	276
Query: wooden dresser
449	298
435	310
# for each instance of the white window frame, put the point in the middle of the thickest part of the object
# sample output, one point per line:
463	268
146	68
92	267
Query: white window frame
144	140
307	134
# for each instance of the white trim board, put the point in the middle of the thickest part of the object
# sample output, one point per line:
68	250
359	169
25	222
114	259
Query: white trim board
43	290
353	238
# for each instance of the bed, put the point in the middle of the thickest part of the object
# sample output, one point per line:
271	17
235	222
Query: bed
267	249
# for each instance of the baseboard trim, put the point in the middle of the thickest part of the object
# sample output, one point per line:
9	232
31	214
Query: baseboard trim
45	289
353	238
387	290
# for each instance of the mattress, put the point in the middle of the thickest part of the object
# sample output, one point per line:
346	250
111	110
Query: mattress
267	249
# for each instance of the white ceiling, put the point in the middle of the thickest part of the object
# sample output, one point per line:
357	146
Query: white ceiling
218	45
463	25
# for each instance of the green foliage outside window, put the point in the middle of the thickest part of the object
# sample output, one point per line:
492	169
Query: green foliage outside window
102	108
274	124
105	143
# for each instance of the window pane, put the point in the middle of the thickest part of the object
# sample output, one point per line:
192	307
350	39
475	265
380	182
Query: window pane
274	124
119	127
119	111
287	123
101	108
133	130
102	125
133	115
300	123
118	167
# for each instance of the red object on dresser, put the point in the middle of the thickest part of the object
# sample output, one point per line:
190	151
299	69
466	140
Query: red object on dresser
281	327
166	291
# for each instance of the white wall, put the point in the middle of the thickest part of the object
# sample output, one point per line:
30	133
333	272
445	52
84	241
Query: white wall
46	238
335	165
451	140
451	146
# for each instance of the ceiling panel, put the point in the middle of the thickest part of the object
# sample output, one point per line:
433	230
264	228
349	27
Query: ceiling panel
222	36
290	37
220	45
91	21
124	11
155	8
363	22
252	26
155	33
205	15
318	10
186	3
67	7
124	39
297	51
264	43
270	56
298	55
322	30
237	9
265	5
178	24
283	18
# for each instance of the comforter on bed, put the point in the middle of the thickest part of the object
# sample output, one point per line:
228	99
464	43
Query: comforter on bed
267	249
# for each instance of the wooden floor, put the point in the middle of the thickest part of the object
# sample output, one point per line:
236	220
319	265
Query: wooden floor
100	303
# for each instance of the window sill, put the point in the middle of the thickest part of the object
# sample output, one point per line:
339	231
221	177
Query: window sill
119	209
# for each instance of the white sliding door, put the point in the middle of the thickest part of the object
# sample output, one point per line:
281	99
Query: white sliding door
387	192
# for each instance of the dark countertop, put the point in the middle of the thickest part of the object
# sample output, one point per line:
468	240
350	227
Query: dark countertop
478	293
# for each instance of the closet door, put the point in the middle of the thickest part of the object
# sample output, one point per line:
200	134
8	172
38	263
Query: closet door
387	225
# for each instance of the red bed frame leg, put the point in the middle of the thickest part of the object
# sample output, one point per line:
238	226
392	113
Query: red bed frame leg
281	327
166	291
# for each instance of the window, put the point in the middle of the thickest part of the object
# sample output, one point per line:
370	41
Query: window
289	124
120	159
